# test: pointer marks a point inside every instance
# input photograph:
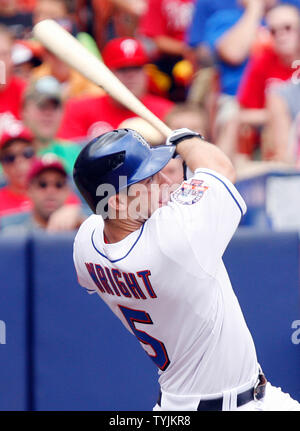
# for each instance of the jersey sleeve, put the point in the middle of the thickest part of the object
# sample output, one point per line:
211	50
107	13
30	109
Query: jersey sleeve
200	220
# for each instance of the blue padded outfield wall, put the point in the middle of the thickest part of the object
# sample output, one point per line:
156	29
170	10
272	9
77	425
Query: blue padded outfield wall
62	349
14	369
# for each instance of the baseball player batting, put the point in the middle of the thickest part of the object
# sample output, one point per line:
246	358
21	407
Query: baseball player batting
156	260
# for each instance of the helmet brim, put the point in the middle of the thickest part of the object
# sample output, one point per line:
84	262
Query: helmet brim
159	158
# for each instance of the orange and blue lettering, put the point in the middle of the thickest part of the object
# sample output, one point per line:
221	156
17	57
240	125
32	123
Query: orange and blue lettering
93	275
103	279
147	283
112	281
116	275
133	285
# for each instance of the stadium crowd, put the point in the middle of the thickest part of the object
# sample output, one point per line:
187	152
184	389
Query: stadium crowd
229	69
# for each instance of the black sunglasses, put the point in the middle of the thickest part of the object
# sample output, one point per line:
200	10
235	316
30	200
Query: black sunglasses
54	103
9	159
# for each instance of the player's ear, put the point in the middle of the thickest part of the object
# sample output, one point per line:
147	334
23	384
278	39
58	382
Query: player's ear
112	202
118	202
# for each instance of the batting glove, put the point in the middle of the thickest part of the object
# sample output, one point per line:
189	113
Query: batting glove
179	135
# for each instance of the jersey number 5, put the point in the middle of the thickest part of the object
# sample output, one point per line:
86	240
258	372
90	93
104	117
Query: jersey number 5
160	358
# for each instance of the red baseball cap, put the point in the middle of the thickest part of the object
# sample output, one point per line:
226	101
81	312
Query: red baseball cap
15	134
124	52
40	165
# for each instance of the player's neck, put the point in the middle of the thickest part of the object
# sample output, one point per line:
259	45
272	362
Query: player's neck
116	230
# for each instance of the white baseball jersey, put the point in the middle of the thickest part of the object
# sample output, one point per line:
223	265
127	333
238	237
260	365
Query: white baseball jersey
168	285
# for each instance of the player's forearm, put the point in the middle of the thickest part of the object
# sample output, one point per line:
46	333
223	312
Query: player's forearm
234	47
201	154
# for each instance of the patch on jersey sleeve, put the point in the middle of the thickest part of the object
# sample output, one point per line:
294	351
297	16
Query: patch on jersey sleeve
190	192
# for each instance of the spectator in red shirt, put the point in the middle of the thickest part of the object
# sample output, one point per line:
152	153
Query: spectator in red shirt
273	65
92	116
164	26
48	188
166	23
11	87
16	156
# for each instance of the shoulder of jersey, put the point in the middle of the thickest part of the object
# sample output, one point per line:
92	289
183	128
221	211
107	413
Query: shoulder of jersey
89	224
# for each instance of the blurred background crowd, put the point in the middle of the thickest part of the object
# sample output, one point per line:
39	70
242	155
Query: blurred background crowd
229	69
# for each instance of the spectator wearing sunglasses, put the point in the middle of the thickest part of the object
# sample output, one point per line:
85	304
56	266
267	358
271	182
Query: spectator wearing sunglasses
16	153
48	190
274	65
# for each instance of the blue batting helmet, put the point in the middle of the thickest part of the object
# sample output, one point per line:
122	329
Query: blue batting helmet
120	153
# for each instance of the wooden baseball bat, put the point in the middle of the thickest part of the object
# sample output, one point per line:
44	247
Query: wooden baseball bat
65	46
